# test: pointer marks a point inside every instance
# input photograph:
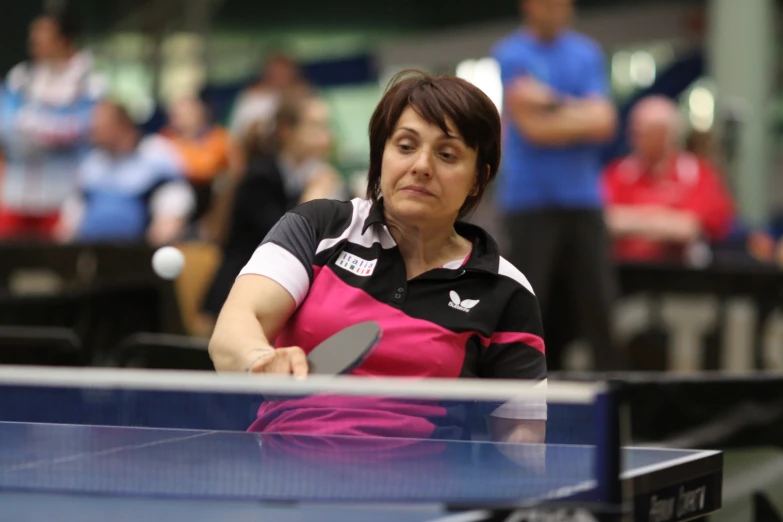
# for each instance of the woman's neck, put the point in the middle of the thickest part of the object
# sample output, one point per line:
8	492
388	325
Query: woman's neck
426	248
59	63
191	133
657	167
126	145
291	160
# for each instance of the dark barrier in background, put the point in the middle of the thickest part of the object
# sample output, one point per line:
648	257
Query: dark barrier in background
758	287
703	410
718	292
104	293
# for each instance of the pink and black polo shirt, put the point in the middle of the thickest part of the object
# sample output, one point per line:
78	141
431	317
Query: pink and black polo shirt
476	317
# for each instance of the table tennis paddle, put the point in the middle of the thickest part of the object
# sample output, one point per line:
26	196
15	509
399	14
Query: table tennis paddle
345	350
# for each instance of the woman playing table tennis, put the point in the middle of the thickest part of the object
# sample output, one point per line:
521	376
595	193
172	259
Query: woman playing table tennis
448	304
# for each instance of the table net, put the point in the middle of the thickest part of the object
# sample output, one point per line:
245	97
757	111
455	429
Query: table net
350	440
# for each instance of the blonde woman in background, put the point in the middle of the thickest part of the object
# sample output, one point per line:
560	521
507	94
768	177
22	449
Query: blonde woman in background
282	172
211	160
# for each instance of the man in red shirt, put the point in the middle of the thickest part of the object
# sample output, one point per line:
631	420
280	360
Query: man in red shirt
660	200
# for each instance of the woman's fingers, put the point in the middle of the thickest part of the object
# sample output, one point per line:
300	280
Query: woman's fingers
299	366
284	361
261	362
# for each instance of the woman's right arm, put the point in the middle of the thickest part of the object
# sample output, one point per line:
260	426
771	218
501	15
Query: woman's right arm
273	283
253	315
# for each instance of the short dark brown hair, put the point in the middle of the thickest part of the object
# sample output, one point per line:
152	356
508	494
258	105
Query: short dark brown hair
438	99
67	22
119	112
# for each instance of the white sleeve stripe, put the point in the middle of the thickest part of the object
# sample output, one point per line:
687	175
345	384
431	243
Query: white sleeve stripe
173	199
280	265
530	407
72	212
505	268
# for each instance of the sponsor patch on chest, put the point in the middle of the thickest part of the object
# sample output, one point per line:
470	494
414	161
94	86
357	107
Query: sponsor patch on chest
355	264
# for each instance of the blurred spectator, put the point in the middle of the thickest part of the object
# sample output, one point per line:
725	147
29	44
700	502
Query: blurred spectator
289	170
130	188
205	148
762	246
45	113
257	105
556	116
703	145
661	199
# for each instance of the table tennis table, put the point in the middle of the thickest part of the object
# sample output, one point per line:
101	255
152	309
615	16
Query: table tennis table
83	472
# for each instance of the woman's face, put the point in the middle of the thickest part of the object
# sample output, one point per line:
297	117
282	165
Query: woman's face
312	136
425	173
187	116
45	41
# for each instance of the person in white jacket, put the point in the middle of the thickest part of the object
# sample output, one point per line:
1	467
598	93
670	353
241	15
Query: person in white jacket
46	107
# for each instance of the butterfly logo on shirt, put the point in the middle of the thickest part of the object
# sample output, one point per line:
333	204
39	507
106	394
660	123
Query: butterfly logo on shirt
459	304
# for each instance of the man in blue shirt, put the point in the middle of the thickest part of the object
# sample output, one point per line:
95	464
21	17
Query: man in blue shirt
556	116
130	188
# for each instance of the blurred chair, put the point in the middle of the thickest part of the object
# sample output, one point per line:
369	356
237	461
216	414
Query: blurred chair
25	260
40	346
161	352
64	310
115	311
201	261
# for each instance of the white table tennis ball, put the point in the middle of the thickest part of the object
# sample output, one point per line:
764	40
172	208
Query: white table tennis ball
167	262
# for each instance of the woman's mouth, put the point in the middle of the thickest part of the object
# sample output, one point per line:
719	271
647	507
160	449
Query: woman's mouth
417	190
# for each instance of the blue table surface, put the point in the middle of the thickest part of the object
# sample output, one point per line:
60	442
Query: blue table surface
141	471
67	508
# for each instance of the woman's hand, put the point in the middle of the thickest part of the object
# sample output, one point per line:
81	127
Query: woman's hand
522	441
324	184
281	361
531	93
63	232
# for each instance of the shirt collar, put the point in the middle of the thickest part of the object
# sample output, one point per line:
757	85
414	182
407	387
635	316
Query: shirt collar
682	167
485	256
375	216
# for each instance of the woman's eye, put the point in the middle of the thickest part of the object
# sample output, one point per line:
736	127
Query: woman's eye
448	156
405	147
